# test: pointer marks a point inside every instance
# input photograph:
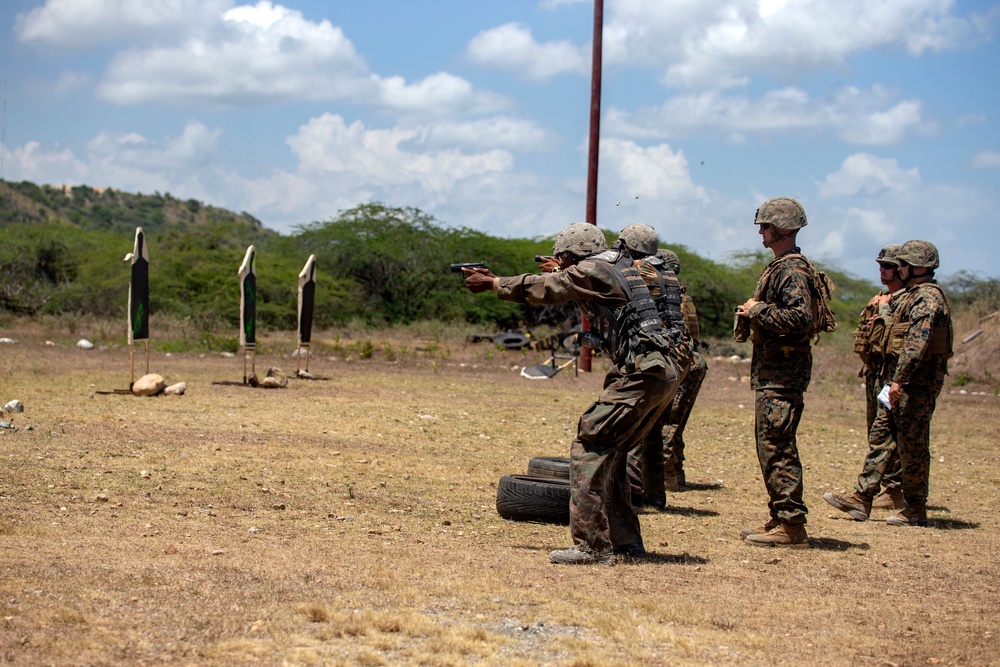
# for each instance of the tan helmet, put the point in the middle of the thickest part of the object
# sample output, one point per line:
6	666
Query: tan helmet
640	240
581	239
918	253
887	255
783	213
671	259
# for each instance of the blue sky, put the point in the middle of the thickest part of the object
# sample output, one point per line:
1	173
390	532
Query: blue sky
881	116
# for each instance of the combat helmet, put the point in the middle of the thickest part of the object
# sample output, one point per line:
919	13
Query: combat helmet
640	240
581	239
887	255
783	213
671	259
918	253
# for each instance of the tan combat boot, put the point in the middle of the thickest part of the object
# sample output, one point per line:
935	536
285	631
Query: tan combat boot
911	516
784	535
858	506
771	524
890	499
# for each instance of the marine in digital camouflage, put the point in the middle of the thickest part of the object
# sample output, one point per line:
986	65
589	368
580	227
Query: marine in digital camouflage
916	359
780	371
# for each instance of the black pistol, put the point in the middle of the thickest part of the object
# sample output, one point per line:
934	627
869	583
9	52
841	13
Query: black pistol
456	267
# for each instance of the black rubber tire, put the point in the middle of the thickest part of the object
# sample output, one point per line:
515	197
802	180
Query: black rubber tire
524	498
554	467
512	341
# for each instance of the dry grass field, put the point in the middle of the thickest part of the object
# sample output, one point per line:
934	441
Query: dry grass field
350	520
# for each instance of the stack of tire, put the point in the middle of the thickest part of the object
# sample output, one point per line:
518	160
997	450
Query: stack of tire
541	495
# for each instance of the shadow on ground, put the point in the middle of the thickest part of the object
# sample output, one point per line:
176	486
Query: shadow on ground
830	544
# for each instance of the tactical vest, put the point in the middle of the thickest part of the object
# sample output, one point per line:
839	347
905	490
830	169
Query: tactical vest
690	314
868	337
942	337
632	328
669	303
820	287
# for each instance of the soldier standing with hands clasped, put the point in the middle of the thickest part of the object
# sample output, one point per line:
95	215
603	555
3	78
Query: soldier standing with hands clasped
779	321
627	327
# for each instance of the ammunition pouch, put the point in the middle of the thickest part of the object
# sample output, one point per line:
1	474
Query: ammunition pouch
941	341
741	328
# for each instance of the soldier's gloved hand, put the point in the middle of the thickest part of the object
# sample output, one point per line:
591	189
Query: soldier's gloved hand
478	280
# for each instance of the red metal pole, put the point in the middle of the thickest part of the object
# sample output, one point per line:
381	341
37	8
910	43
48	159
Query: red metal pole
595	138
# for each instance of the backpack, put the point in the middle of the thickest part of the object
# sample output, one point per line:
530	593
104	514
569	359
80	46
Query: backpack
820	288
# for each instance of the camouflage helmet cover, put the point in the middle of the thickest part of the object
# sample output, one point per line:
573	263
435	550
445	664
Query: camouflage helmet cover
783	213
581	239
640	240
887	255
918	253
671	259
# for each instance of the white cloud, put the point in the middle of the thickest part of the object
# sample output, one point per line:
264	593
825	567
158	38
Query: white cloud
81	23
866	174
194	147
329	145
260	54
45	164
511	47
986	160
69	82
657	171
708	43
872	117
438	95
511	134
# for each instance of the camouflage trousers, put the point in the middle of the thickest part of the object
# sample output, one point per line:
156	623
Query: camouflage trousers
881	468
645	460
909	421
776	418
676	419
601	515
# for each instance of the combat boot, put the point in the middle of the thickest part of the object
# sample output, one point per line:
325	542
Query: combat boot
890	499
771	524
858	506
784	535
911	516
576	556
629	553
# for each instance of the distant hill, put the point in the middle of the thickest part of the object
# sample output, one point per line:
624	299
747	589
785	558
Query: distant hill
106	209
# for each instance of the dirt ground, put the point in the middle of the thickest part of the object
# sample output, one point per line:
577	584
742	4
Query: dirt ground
350	520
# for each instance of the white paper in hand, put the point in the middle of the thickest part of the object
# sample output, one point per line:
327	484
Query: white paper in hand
883	397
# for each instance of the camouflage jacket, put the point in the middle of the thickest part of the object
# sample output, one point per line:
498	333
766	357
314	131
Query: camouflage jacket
780	325
595	284
923	317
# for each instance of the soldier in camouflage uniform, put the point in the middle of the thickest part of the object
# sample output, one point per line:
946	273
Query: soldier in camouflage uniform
780	319
676	418
645	461
918	343
626	326
881	466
